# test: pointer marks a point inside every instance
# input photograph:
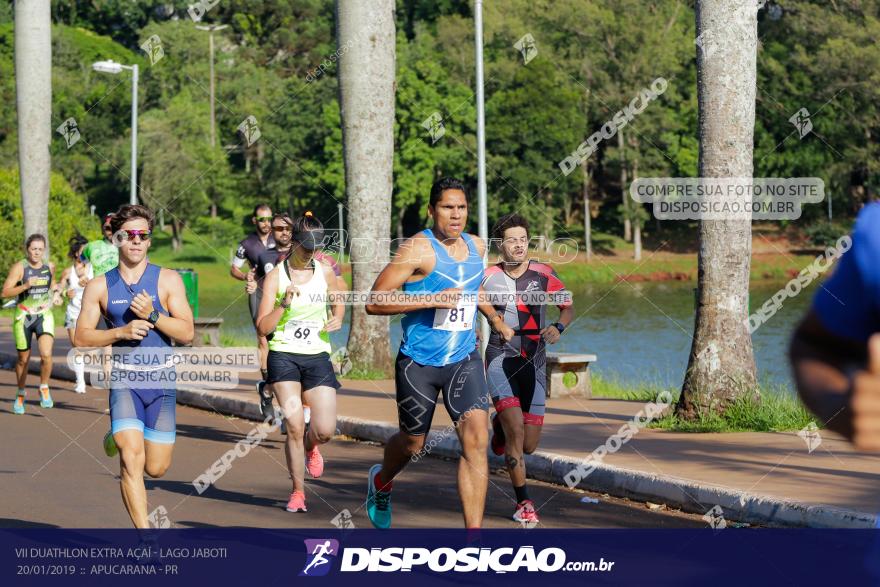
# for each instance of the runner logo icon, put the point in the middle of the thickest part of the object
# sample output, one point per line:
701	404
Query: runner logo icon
320	554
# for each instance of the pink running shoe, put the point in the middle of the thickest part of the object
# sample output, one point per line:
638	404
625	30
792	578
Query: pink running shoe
525	512
297	502
315	463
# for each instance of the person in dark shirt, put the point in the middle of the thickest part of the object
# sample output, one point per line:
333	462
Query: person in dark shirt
835	351
248	252
516	353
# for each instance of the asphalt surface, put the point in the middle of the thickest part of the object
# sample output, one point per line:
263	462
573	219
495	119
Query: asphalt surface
55	474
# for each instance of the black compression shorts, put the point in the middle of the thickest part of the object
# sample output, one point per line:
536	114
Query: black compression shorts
463	385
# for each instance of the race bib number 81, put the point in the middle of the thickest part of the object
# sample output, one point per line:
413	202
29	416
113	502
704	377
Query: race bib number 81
455	319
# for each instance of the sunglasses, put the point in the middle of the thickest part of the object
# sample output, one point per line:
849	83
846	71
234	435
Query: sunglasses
282	229
263	218
127	235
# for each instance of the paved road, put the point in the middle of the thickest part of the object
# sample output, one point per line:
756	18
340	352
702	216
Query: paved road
55	473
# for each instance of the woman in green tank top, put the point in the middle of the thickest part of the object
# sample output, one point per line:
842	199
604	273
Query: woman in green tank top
293	316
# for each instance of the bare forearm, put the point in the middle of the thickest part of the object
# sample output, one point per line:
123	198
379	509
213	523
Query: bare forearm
176	328
822	385
411	303
237	274
269	322
92	337
15	290
566	315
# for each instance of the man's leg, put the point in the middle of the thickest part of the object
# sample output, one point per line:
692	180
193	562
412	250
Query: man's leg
511	419
473	467
263	348
399	451
131	473
531	438
466	397
157	458
160	432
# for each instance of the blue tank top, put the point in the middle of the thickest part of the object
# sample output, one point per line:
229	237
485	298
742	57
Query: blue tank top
439	337
143	364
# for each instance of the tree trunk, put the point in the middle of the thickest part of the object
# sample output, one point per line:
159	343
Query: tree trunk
588	230
721	366
637	223
627	225
400	214
33	93
366	101
176	240
637	241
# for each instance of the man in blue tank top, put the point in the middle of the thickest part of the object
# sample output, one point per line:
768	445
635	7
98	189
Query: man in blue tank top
835	351
146	308
440	269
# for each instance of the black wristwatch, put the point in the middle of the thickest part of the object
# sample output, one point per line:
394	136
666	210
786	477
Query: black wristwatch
153	317
560	327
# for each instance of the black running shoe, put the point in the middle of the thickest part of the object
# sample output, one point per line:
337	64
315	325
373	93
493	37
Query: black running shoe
266	408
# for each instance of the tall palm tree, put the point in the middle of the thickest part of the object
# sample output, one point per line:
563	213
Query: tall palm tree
33	93
721	366
366	49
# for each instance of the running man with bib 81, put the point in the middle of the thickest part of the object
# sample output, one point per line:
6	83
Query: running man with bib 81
516	355
146	308
441	269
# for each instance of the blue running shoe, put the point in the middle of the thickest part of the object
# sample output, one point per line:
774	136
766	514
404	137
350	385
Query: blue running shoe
378	502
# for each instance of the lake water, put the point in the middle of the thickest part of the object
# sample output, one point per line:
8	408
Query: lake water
641	332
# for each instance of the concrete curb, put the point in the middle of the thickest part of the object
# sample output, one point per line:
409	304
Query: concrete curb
690	496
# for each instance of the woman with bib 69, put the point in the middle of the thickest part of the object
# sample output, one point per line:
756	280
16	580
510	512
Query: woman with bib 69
293	316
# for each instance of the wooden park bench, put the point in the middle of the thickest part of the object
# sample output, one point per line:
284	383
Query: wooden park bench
568	374
207	327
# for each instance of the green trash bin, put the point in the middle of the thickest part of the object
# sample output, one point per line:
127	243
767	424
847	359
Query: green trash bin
191	284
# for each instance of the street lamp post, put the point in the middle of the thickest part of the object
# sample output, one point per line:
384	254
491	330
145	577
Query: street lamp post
114	68
483	224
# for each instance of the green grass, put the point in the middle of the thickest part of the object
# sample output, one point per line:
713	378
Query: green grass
775	412
778	409
614	389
